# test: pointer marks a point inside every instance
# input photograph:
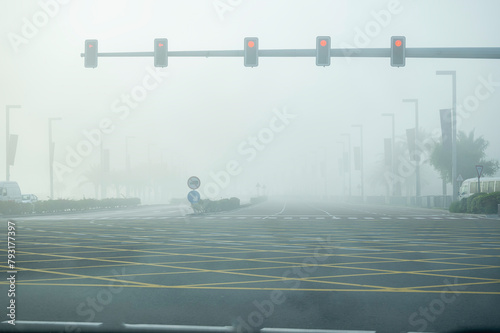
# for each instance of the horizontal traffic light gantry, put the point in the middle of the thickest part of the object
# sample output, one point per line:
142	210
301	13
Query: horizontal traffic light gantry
398	51
91	53
323	50
161	52
251	52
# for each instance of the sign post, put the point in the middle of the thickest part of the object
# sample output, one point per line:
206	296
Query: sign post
194	183
479	169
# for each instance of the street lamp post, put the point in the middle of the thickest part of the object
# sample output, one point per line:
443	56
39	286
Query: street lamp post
348	158
7	136
361	162
127	160
51	158
453	131
393	145
417	160
150	171
342	166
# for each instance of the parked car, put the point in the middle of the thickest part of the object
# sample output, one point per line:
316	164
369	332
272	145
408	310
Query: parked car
29	198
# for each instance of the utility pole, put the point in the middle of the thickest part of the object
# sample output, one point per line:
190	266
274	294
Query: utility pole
7	139
51	158
453	131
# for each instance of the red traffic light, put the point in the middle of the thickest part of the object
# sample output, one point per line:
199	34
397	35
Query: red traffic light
251	43
161	52
91	55
322	43
398	43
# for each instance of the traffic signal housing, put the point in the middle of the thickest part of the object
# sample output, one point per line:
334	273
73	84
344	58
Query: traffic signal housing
323	47
398	51
91	53
251	52
161	52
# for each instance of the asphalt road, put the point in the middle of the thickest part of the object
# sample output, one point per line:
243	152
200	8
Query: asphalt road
278	264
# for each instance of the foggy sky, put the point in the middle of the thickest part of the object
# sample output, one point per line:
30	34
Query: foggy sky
199	114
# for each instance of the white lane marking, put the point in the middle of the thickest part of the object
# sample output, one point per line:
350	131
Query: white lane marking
324	211
281	211
173	328
180	241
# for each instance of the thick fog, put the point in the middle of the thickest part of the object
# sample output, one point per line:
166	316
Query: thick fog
280	128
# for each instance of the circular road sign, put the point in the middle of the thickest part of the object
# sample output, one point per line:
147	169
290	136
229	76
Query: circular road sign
193	196
194	182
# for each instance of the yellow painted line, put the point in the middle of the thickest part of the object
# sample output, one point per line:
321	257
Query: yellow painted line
204	271
266	244
459	284
272	289
79	276
220	271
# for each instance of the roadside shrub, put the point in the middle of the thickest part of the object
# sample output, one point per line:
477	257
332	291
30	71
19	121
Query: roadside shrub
488	204
65	205
472	202
456	207
209	206
480	203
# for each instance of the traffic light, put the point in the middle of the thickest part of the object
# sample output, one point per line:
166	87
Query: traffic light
323	46
161	52
251	52
91	53
398	51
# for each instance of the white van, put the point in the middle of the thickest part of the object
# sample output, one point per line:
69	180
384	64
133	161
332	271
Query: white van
10	191
487	185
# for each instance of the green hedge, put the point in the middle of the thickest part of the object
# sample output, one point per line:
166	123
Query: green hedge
209	206
256	200
64	205
478	203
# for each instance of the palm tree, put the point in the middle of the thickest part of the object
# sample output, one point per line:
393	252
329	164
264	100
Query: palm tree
470	152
